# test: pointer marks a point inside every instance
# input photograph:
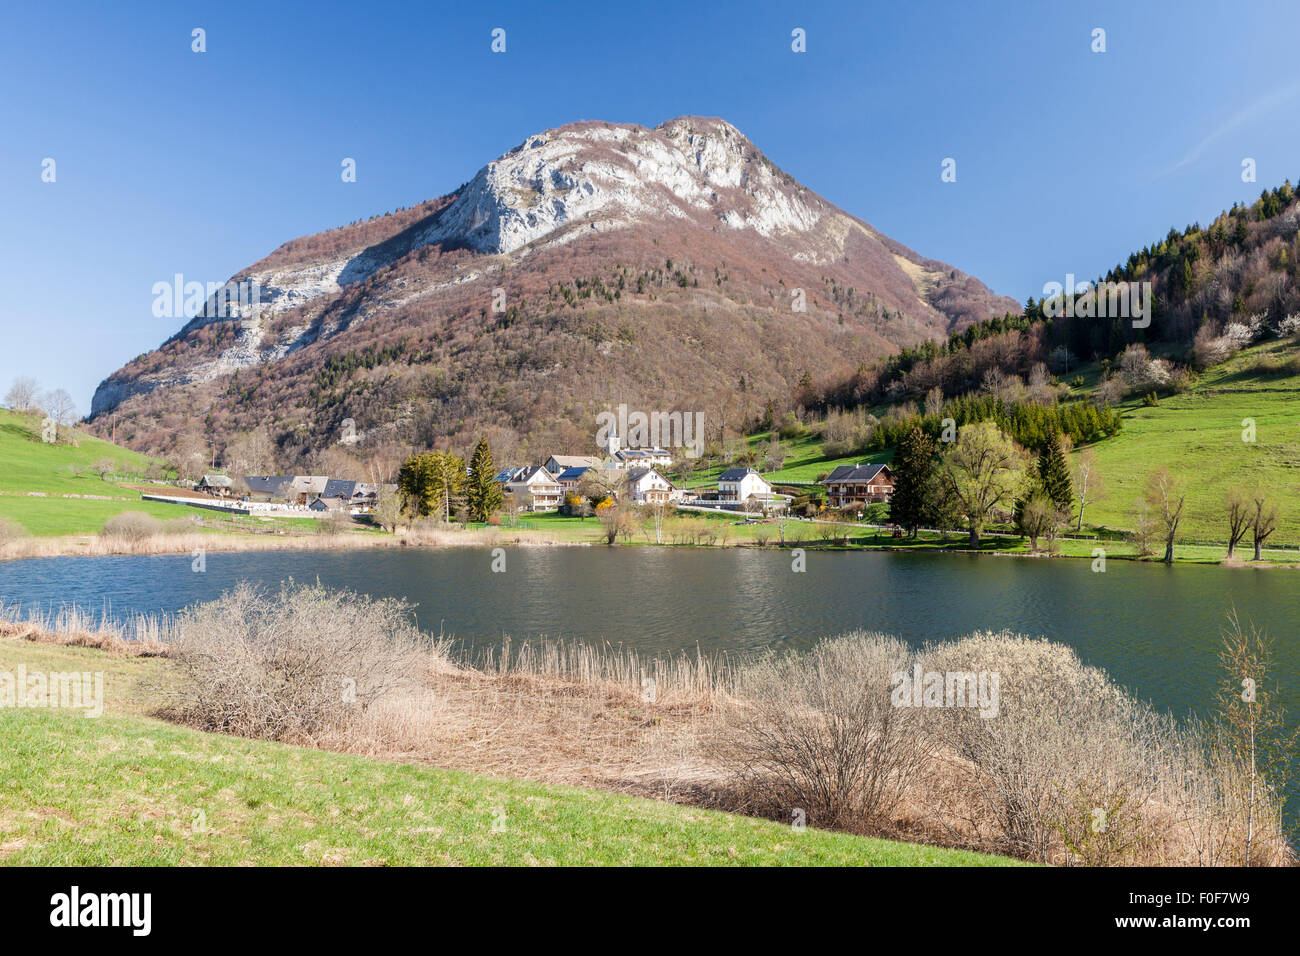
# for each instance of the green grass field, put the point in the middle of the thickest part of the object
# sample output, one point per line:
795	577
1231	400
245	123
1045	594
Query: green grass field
126	789
29	464
45	517
1198	436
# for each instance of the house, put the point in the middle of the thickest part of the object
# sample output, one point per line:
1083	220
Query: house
303	488
643	458
645	486
217	485
560	463
267	487
530	488
330	505
852	485
354	492
570	478
739	485
339	488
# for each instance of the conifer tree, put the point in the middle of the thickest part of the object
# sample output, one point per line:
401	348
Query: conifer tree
1054	474
915	470
482	494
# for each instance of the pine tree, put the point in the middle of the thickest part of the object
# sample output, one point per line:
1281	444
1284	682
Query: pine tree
1054	474
914	469
482	494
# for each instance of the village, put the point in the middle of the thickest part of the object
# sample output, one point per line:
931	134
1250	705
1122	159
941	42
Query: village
565	483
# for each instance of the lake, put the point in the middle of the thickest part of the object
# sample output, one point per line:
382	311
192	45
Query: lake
1155	629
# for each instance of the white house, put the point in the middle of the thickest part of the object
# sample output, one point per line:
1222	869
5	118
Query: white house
620	457
645	486
643	458
738	485
530	488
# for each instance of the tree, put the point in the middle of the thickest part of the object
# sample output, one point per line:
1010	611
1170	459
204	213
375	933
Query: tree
60	408
1240	514
387	511
774	453
617	518
915	474
981	471
482	493
431	484
22	394
1088	484
189	453
1143	527
1038	516
105	467
1166	498
1054	474
655	513
597	486
1263	520
250	453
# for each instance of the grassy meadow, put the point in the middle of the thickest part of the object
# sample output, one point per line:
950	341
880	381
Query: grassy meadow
1198	436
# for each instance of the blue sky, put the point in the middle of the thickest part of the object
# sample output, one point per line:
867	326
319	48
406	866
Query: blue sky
172	161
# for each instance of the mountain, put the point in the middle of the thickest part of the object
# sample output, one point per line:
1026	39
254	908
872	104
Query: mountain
592	265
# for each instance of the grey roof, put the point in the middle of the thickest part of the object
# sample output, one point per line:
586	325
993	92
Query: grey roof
339	488
276	486
522	474
632	453
327	504
735	474
573	461
855	473
217	481
309	484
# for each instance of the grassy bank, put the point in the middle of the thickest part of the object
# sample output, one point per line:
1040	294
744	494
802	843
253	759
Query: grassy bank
126	789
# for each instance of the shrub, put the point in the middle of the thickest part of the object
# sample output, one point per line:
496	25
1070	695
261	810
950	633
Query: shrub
294	665
132	526
1069	762
818	732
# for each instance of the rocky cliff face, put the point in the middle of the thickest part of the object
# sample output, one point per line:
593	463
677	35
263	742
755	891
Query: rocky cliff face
604	234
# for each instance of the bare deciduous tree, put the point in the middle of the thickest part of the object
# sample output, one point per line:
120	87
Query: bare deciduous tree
1088	484
22	394
1263	520
1167	499
60	408
1240	512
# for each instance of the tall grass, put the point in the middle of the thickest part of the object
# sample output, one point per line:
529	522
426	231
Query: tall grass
679	678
